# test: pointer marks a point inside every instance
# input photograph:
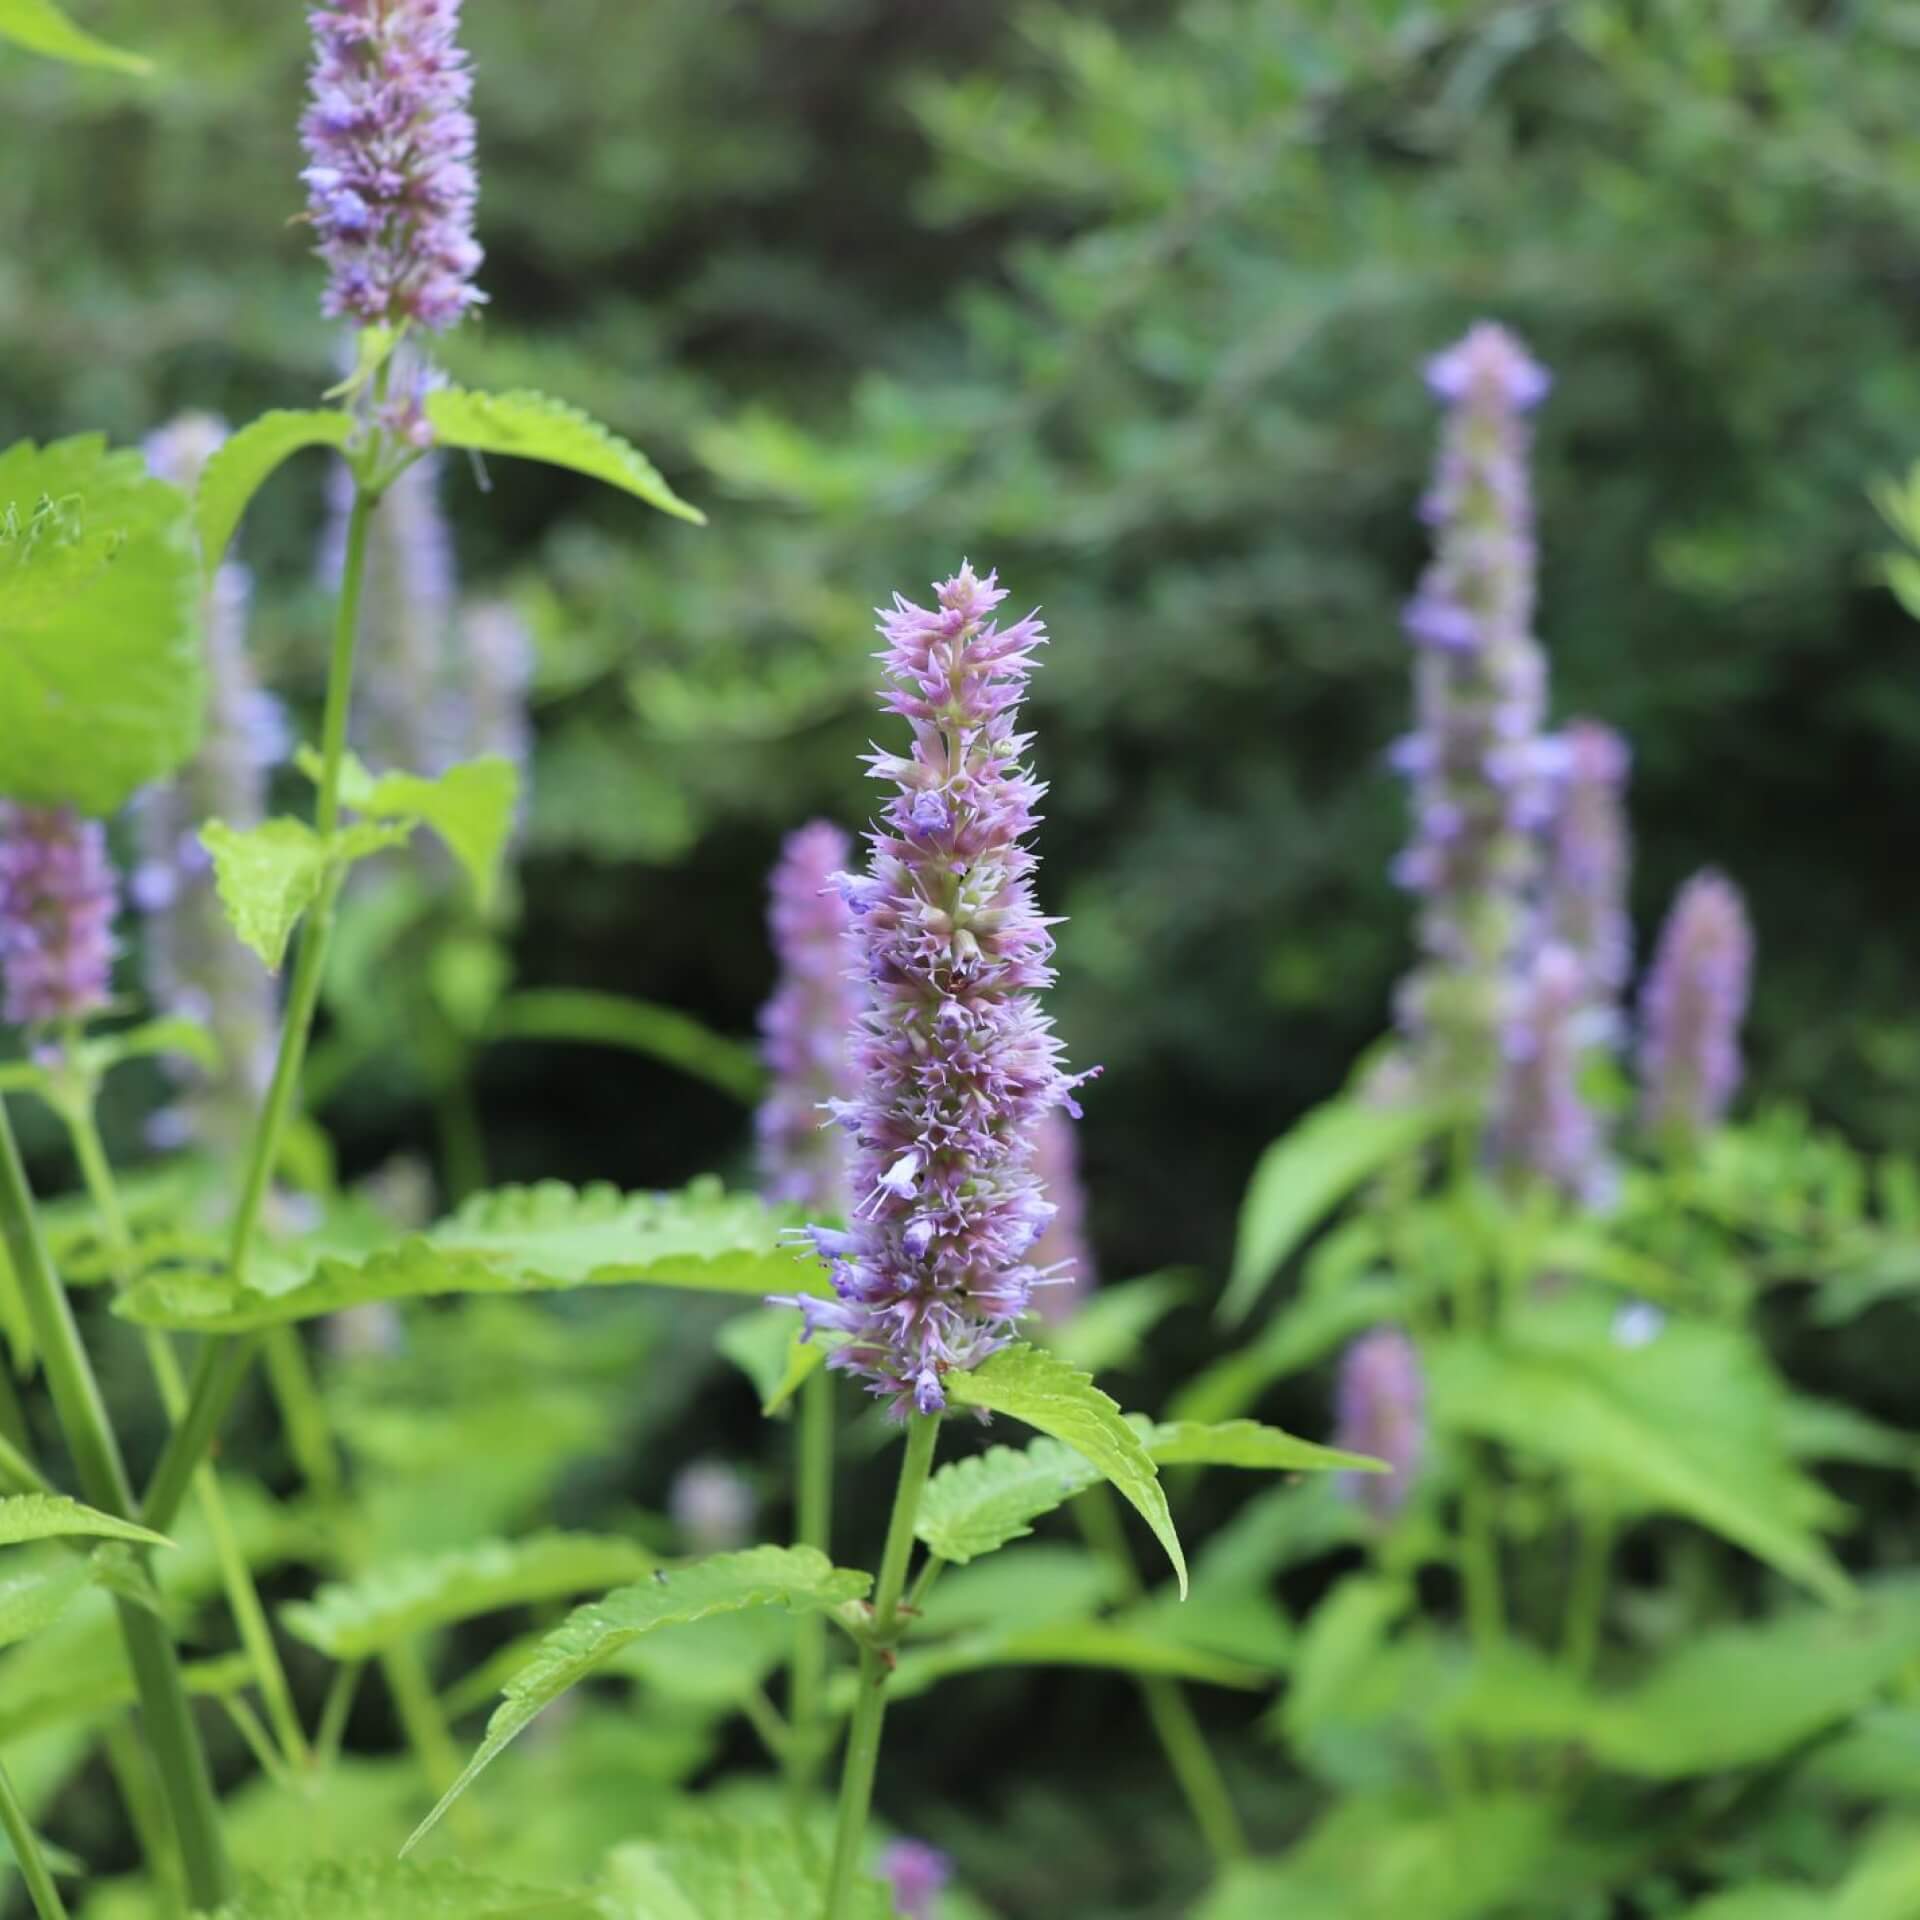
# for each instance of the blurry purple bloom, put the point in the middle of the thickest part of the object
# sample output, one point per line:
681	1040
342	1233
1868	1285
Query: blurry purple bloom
955	1063
496	670
1061	1255
1587	859
390	181
918	1875
1691	1009
712	1506
1382	1405
1476	761
1543	1127
1638	1324
807	1027
194	966
56	914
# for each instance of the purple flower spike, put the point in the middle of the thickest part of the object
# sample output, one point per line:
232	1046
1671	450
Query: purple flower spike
390	181
1476	763
1543	1128
1691	1009
56	914
955	1064
1061	1254
918	1875
1587	858
807	1027
1382	1399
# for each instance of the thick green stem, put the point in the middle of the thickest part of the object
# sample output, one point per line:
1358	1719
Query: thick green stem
1587	1598
224	1362
168	1721
26	1852
139	1783
813	1528
303	1413
421	1720
13	1419
243	1597
876	1664
1169	1711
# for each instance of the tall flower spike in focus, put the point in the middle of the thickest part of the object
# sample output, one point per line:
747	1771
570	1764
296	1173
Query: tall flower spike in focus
1691	1009
56	914
807	1026
1382	1411
955	1064
1476	760
1064	1260
194	966
1588	859
390	144
1543	1127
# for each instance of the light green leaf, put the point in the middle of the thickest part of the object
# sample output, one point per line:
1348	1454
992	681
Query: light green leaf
796	1578
242	466
396	1890
1304	1175
101	679
541	1239
40	27
387	1605
975	1506
1046	1393
1107	1328
638	1026
766	1346
470	807
268	876
45	1516
36	1594
712	1867
1116	1648
530	426
1587	1413
173	1034
1246	1443
59	1692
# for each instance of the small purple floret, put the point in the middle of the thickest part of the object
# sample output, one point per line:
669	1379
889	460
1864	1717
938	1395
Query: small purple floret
57	901
1691	1010
1587	858
807	1026
391	185
1382	1410
1061	1254
955	1064
918	1875
1543	1127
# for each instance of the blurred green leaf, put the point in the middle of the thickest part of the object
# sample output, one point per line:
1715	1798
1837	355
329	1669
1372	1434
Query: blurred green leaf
40	27
244	463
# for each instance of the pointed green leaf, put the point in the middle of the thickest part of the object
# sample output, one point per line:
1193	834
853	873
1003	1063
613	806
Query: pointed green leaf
530	426
40	27
244	464
268	876
1246	1443
1304	1175
46	1516
977	1505
470	807
712	1866
1046	1393
543	1239
101	680
388	1605
796	1578
1132	1648
396	1890
1108	1328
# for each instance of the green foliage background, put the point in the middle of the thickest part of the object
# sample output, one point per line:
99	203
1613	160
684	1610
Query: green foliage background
1130	302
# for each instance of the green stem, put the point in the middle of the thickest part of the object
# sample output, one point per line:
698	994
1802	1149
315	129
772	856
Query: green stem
876	1663
133	1773
26	1852
19	1473
1169	1711
335	1710
463	1139
814	1528
224	1362
13	1419
1480	1555
168	1721
303	1412
420	1717
243	1597
1587	1598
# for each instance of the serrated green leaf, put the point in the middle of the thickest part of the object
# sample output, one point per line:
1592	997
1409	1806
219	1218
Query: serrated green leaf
977	1505
48	1516
531	426
1046	1393
385	1606
397	1890
101	678
174	1034
796	1578
638	1026
712	1867
470	807
40	27
241	466
541	1239
268	876
1247	1443
57	1692
36	1595
1304	1175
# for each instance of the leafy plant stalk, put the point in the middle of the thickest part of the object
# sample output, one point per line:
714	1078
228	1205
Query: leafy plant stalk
168	1720
814	1528
1169	1710
26	1851
224	1363
876	1665
243	1597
